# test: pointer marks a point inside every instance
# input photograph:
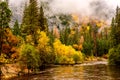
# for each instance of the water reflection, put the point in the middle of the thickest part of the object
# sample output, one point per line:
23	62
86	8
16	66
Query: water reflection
114	72
79	72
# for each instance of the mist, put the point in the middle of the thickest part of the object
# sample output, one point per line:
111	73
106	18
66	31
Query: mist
100	9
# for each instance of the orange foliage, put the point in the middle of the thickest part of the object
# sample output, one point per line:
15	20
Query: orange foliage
13	40
77	47
14	56
6	48
80	47
9	46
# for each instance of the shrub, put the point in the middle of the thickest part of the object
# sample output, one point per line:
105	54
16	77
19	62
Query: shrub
66	54
77	57
29	56
87	48
45	50
102	47
114	56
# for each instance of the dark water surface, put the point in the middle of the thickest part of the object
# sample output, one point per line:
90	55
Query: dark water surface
87	71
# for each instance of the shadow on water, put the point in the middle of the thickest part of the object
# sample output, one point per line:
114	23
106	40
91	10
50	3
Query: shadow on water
77	72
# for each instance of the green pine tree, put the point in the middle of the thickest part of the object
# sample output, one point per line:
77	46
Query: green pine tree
43	21
30	20
5	15
64	35
115	29
114	52
112	33
24	20
16	28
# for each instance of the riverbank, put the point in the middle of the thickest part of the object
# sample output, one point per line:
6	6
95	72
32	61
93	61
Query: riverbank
13	70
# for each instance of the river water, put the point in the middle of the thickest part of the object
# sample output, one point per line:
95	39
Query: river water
86	71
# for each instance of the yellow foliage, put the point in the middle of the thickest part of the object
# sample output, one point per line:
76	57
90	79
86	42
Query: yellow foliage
10	37
66	51
88	28
29	39
75	18
43	39
75	46
21	40
72	32
43	43
99	24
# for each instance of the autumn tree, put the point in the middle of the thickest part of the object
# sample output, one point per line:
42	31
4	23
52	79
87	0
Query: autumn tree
45	50
10	44
66	54
29	57
5	15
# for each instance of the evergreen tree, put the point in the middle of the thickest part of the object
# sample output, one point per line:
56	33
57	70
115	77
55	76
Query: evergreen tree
65	19
95	30
64	35
42	21
88	43
114	52
115	28
24	20
5	15
112	33
30	20
16	28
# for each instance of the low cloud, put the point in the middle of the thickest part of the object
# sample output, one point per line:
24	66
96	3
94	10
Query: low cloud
101	9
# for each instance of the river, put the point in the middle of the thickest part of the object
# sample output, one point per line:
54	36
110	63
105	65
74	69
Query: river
87	71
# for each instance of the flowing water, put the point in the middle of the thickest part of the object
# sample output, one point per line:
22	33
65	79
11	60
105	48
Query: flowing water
86	71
